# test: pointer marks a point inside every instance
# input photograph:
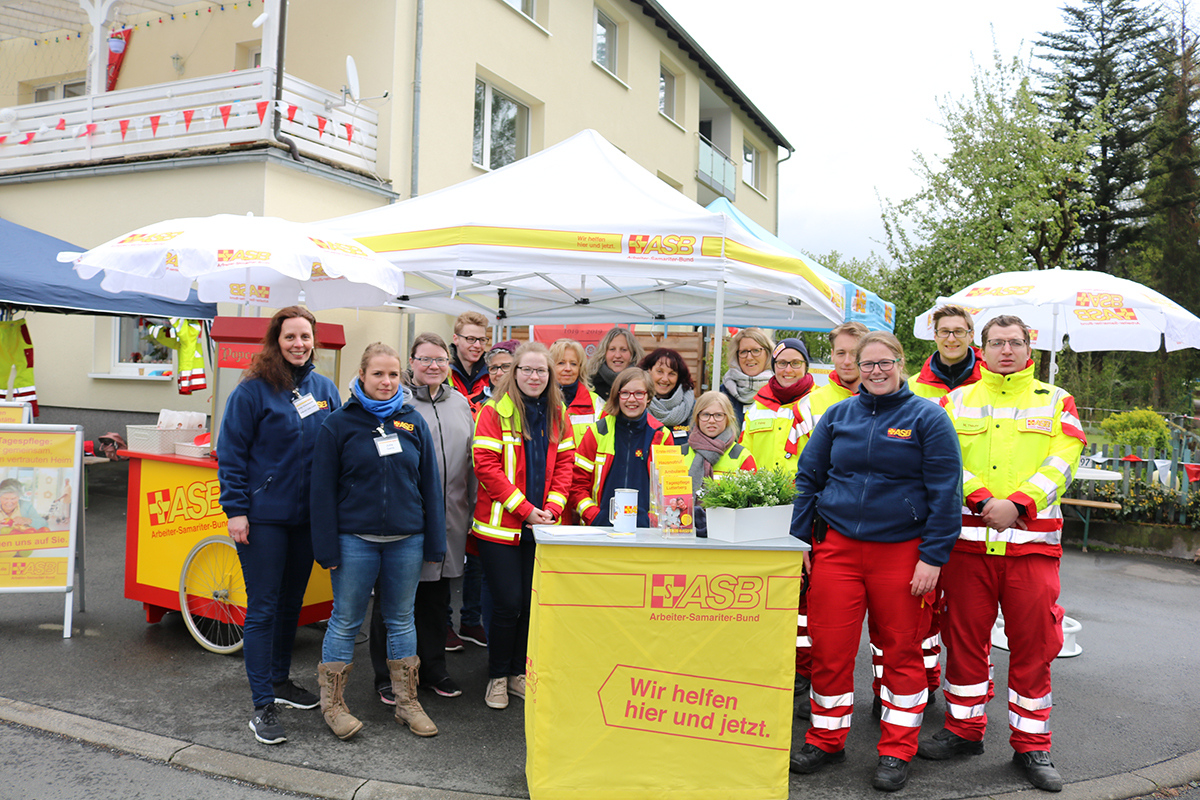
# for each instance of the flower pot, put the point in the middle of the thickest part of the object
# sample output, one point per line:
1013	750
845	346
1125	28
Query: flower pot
749	524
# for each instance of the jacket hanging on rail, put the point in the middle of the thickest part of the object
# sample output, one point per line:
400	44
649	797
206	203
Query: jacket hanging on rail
16	351
184	335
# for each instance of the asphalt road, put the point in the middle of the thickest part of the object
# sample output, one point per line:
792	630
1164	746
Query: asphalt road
1128	702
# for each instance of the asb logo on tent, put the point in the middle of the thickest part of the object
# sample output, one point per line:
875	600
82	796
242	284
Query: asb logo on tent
226	256
149	238
338	247
998	291
669	245
1106	314
240	291
1098	300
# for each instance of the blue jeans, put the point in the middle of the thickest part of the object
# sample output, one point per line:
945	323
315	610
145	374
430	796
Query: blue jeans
397	565
276	563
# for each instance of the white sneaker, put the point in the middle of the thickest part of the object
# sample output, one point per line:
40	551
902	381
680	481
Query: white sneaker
497	693
516	685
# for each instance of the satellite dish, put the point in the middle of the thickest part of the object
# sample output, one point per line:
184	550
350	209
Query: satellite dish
352	79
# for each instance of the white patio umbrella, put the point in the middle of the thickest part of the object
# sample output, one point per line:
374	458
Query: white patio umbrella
1098	311
258	261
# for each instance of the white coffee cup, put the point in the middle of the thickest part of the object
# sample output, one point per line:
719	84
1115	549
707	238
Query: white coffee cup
622	510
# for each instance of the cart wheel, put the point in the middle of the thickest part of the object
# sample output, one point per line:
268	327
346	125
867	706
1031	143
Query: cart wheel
212	595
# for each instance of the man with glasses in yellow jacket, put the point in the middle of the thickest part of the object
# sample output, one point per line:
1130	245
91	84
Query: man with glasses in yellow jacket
1021	441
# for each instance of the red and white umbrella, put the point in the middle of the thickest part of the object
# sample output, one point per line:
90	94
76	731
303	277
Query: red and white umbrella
260	261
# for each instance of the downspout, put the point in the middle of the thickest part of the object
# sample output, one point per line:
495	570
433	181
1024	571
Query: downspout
779	193
416	115
279	137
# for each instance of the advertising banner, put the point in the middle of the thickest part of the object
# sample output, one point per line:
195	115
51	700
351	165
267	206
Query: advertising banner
15	413
40	471
658	671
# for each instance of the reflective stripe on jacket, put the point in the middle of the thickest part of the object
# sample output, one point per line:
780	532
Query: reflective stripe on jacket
593	460
499	455
584	411
1021	441
775	434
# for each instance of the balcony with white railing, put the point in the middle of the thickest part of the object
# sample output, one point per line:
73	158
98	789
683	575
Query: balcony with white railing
188	116
716	170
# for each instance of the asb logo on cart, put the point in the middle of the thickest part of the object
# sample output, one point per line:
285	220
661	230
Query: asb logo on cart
194	501
718	593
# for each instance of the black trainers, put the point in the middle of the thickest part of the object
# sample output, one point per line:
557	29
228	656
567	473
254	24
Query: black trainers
386	695
891	775
266	725
446	687
944	744
810	758
291	694
801	685
1039	769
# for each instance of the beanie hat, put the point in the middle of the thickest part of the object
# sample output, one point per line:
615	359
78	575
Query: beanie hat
790	343
510	346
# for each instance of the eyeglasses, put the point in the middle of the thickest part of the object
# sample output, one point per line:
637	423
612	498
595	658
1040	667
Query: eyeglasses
884	366
472	339
504	368
529	372
799	363
956	333
632	395
755	353
1014	344
712	416
425	361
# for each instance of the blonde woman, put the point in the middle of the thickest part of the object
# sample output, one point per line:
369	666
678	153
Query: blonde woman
712	449
567	360
617	350
749	368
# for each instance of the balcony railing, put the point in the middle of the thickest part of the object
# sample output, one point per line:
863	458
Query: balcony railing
716	170
196	114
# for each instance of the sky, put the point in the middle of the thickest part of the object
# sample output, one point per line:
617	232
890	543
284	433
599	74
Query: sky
854	87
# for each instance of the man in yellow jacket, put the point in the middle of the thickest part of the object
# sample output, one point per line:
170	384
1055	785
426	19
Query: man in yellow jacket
844	380
1021	441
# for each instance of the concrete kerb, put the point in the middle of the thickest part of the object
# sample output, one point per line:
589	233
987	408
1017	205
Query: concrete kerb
211	761
271	774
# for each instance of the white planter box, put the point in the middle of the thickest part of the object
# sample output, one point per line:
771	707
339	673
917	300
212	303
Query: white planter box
749	524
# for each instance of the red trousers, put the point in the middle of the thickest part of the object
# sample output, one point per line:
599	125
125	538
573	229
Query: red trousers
1026	589
931	648
851	578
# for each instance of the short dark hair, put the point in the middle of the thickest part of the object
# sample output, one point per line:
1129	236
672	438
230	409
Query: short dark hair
1004	321
675	361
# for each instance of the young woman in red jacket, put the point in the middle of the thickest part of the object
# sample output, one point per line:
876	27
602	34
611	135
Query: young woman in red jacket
524	455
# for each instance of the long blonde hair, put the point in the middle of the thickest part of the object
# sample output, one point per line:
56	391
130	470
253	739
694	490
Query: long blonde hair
554	400
716	399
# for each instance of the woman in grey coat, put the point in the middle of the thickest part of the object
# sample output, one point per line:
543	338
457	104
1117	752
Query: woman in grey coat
448	415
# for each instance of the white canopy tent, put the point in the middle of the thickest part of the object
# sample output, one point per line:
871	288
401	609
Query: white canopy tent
581	233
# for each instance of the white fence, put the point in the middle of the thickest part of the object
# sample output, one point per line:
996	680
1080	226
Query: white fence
195	114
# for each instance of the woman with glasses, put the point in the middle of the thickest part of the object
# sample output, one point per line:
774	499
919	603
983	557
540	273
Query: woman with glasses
673	398
524	456
749	368
499	360
712	450
617	350
777	423
880	501
616	453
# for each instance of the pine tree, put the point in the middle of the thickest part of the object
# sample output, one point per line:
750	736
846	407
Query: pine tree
1104	61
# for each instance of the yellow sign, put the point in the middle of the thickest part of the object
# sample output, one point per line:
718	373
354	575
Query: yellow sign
34	572
676	665
12	415
179	505
47	450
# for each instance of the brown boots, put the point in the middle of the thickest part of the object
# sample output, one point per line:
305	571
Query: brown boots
404	686
332	679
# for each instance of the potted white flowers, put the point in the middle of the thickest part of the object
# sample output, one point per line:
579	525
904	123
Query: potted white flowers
746	506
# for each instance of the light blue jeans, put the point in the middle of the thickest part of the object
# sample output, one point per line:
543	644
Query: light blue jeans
398	566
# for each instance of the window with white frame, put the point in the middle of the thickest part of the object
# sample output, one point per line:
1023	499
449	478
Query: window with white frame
666	92
135	351
524	6
751	165
606	42
60	91
501	128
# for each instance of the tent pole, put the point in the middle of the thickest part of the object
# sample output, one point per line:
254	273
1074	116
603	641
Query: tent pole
1054	347
718	334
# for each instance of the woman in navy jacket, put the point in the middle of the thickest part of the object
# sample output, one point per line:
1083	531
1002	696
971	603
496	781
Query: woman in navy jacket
377	513
265	461
884	471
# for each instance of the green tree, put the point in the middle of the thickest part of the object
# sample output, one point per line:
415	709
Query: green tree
1008	196
1104	63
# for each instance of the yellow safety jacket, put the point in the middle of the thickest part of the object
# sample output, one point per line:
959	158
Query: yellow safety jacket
1021	441
593	461
776	434
184	335
821	398
734	459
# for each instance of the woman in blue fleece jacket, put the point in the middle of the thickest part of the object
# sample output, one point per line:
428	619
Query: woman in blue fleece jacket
377	513
265	462
883	470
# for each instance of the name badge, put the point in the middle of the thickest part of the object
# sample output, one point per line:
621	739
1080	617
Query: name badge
306	406
388	445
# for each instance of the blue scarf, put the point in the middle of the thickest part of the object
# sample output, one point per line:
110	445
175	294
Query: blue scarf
382	409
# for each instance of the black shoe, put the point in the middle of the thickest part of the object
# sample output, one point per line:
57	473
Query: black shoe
266	725
1039	769
801	686
803	705
292	695
877	707
386	695
944	744
446	687
810	758
891	775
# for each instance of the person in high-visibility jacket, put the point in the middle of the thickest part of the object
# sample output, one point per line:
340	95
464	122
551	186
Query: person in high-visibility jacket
584	407
617	452
1021	440
16	353
844	380
955	362
712	450
524	457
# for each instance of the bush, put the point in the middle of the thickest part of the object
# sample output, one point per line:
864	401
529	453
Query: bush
744	489
1141	427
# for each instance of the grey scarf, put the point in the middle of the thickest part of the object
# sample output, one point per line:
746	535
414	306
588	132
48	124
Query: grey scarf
743	386
675	409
